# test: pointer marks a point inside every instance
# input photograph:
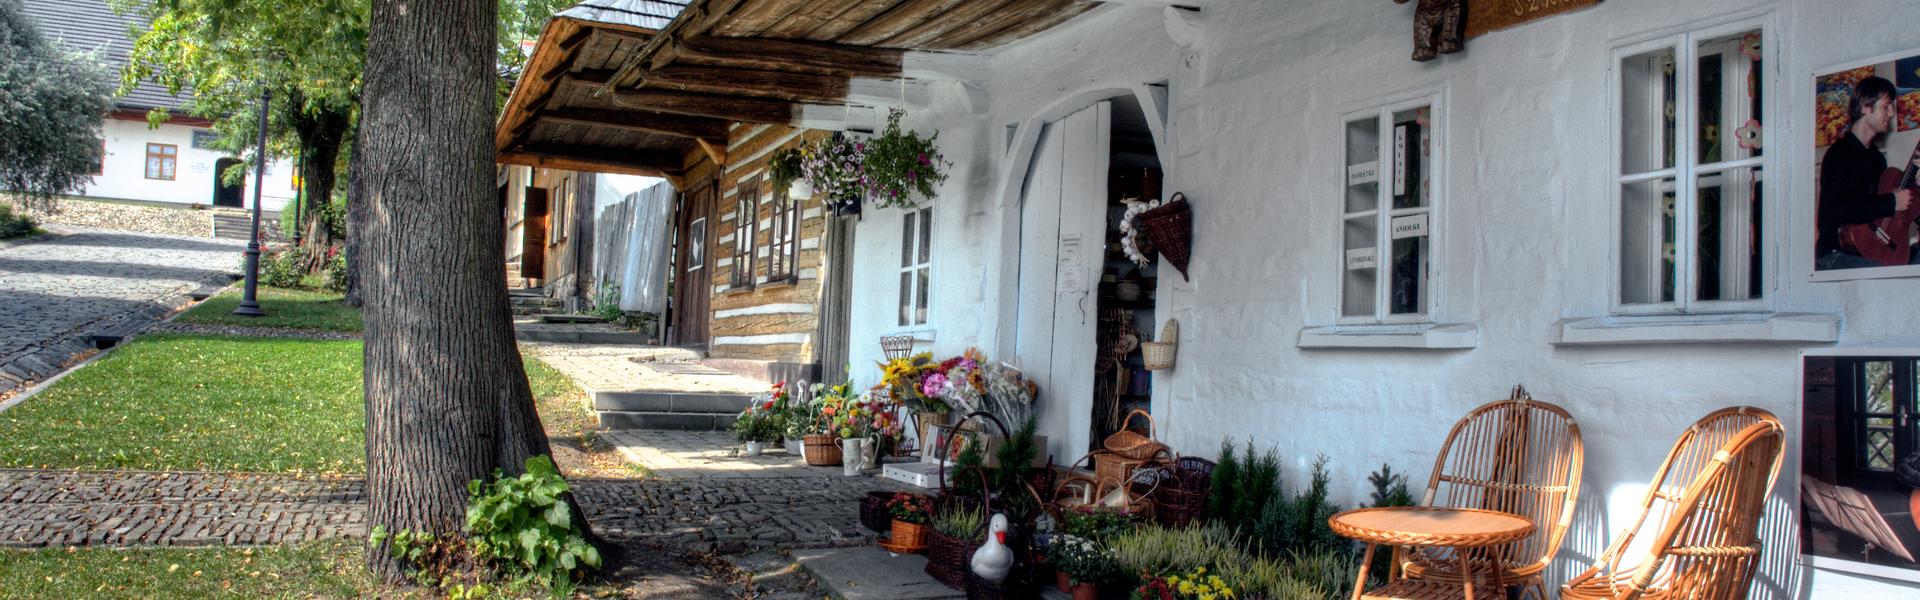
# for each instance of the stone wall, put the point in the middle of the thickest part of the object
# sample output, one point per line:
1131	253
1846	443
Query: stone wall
79	212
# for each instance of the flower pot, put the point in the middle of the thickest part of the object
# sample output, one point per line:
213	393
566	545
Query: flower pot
795	447
755	448
1086	591
870	454
850	448
1062	582
909	535
800	188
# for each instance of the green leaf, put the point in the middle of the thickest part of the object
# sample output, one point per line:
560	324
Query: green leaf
559	516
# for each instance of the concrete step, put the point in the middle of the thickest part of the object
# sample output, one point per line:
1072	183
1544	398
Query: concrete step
571	319
621	419
578	335
681	402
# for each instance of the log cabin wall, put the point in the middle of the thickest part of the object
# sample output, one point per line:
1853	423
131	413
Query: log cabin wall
771	320
569	218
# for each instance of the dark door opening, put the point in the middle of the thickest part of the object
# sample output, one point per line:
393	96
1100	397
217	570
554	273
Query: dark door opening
223	193
533	236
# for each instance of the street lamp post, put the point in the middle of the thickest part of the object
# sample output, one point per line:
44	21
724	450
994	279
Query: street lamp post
249	304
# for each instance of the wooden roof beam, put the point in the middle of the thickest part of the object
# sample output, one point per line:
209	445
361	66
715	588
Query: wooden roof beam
799	87
593	159
784	55
699	128
732	108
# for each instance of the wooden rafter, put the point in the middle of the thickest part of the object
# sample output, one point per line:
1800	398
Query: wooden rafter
593	158
784	55
959	17
734	108
702	128
902	17
787	85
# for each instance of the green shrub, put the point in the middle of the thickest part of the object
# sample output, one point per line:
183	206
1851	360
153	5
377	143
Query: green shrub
961	523
15	225
336	271
1157	551
1389	489
524	528
1224	485
606	302
1096	522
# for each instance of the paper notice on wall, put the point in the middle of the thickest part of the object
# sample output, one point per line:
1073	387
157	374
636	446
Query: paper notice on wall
1071	275
1359	259
1410	226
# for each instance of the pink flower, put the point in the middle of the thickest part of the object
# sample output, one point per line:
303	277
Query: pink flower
934	385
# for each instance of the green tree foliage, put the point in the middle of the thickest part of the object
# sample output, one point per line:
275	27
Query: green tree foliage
51	106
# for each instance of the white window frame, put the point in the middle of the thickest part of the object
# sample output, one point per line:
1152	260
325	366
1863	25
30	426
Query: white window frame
1686	170
911	241
1383	212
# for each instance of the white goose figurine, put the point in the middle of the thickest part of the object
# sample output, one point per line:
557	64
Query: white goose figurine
994	559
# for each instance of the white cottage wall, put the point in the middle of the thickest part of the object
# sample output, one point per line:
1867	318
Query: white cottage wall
123	175
1521	231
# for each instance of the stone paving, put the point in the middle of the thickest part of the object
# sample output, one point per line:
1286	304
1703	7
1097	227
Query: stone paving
56	291
131	508
598	368
708	455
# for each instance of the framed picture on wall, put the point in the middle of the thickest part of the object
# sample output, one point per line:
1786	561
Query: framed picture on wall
1866	141
1859	502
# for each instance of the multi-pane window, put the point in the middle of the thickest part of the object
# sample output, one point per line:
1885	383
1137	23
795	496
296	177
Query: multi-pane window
746	213
916	266
161	159
1392	155
783	244
697	244
1690	177
1882	421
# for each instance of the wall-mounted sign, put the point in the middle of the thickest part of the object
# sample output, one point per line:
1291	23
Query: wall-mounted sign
1072	275
1410	226
199	167
1360	259
205	139
1366	172
1494	15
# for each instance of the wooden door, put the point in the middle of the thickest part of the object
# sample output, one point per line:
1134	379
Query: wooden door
533	236
1062	245
693	279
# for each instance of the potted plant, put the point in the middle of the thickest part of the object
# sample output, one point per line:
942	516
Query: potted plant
833	166
821	438
1081	564
783	170
1191	585
757	426
910	515
900	164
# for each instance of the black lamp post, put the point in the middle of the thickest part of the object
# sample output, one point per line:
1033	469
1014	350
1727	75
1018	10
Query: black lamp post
249	305
299	197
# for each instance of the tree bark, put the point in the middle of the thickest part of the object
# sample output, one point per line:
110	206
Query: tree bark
446	392
321	132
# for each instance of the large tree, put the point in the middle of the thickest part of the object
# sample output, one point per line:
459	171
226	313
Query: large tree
51	106
309	54
446	392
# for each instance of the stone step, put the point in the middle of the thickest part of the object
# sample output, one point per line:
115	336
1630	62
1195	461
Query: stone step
562	334
621	419
680	402
571	319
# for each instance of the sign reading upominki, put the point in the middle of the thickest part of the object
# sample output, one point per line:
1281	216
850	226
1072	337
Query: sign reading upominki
1484	16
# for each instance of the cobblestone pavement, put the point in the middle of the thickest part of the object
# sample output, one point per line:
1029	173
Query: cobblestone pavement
708	455
55	292
599	368
42	508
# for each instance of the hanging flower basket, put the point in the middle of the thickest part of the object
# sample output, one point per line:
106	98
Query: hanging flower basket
834	168
1171	229
900	164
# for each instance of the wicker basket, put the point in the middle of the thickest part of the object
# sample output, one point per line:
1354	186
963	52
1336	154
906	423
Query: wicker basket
1182	499
873	511
1171	228
948	558
981	589
909	536
1159	354
821	450
1127	444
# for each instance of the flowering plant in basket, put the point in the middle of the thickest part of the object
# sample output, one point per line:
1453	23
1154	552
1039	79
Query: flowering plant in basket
1194	585
910	508
834	165
900	164
1081	559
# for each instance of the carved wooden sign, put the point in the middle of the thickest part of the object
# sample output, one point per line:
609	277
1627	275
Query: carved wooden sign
1484	16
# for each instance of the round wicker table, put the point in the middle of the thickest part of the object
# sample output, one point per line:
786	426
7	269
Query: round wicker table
1460	528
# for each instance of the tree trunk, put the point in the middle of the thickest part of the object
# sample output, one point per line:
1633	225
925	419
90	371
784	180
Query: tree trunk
321	131
356	221
446	393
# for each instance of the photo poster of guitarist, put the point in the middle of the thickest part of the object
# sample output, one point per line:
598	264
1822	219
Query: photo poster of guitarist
1867	151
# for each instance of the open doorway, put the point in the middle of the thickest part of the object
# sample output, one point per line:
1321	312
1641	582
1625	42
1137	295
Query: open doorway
1122	383
225	194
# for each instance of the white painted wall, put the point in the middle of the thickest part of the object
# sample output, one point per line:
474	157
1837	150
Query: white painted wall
1524	243
124	176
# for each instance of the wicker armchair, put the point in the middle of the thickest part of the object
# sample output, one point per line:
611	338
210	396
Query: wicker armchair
1520	456
1708	495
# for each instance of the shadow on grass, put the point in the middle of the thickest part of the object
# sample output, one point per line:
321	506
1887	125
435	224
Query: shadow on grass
293	309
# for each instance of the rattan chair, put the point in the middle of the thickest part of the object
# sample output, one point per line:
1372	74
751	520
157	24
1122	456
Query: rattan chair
1708	545
1520	456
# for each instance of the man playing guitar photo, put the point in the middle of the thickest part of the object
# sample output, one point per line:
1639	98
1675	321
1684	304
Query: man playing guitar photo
1866	212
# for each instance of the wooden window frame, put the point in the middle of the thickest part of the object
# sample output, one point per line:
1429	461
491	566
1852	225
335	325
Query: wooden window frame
783	244
1688	173
169	166
746	217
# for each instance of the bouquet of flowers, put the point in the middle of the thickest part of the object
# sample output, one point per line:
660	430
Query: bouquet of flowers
904	381
830	406
760	422
1194	585
910	508
1081	559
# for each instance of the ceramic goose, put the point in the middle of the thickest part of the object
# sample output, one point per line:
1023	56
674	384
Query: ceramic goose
994	559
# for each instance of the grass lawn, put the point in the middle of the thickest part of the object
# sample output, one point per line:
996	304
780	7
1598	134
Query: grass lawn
296	309
329	569
177	402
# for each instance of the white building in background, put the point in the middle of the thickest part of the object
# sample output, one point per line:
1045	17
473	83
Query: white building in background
172	163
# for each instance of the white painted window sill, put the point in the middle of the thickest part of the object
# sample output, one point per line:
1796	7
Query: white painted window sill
922	334
1757	328
1422	336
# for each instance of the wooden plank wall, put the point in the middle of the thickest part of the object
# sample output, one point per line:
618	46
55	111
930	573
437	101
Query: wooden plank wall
774	321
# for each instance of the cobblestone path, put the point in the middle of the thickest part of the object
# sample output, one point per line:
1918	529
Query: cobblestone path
55	292
48	508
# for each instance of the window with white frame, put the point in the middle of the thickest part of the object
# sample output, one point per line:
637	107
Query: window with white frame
1689	176
916	266
1387	215
746	215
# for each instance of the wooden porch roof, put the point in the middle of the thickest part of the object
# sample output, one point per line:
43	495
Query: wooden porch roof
604	92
